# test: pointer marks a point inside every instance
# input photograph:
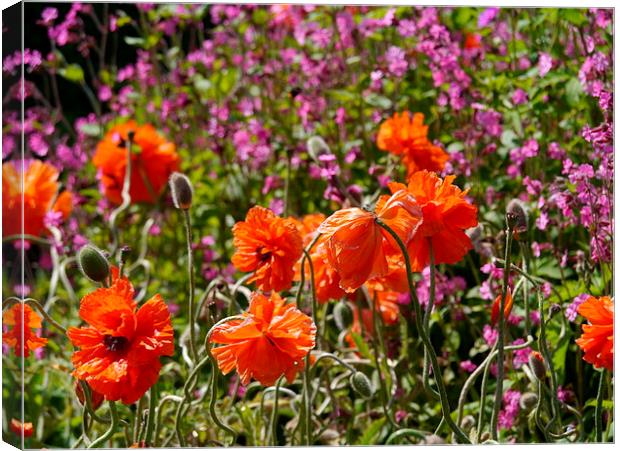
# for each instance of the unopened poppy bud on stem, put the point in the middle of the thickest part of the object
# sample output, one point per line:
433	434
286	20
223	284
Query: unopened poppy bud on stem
93	263
528	401
537	364
343	316
516	216
361	384
317	147
182	191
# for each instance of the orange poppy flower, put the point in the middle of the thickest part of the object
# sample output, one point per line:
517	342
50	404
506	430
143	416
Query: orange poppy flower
446	216
40	186
496	305
120	349
269	246
17	427
326	279
357	246
271	341
407	137
21	316
472	41
597	340
153	159
386	303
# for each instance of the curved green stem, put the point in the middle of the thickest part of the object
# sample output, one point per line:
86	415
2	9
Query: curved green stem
108	434
274	413
192	284
598	413
443	396
150	425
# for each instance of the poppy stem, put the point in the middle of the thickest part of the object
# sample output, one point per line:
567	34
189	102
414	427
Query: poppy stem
427	318
34	303
192	284
214	373
125	196
307	403
472	378
110	432
499	388
274	414
302	279
443	396
150	424
598	414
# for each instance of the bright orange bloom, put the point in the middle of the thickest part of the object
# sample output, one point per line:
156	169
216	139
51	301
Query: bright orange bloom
597	340
407	137
153	159
472	41
120	349
386	303
40	187
268	245
326	279
17	427
357	246
496	305
271	341
21	316
446	215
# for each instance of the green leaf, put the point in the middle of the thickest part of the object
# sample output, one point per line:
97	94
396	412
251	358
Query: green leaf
361	345
378	101
135	41
573	92
574	16
72	72
372	432
509	139
91	129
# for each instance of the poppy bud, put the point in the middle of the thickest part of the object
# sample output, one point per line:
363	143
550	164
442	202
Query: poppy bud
343	316
317	147
182	191
434	439
93	263
528	401
553	309
468	423
95	398
131	134
537	364
361	384
485	436
125	251
516	216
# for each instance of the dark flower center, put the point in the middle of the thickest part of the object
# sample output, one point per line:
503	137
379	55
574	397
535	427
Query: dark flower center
115	344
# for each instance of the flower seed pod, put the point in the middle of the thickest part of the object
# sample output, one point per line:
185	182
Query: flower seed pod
343	315
528	401
361	384
182	191
516	216
537	364
93	263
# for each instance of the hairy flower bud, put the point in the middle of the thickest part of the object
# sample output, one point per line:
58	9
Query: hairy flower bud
528	401
516	216
554	309
343	315
537	364
468	423
182	191
317	147
361	384
93	263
